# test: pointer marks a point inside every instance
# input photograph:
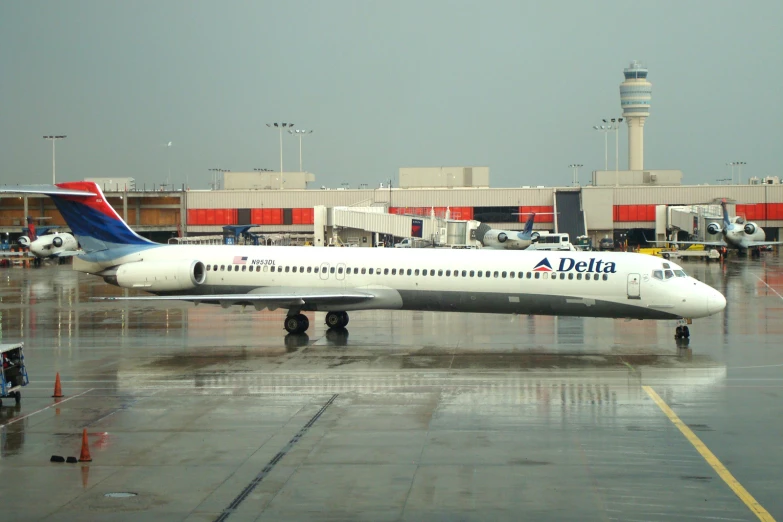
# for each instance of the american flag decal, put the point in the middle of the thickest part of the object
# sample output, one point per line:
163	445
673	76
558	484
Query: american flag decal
239	260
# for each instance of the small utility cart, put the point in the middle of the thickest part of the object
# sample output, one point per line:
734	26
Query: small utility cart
13	374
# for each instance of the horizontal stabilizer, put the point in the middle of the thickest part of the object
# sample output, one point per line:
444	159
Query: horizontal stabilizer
49	190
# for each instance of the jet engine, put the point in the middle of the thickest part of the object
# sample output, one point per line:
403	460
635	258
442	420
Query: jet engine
534	237
502	237
159	276
24	241
713	228
57	241
750	229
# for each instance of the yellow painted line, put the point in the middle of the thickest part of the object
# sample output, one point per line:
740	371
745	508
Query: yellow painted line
711	459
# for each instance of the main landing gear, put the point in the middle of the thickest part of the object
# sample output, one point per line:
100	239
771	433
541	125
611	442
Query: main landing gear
335	320
296	323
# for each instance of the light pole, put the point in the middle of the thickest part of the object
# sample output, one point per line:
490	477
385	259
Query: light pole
300	133
613	124
731	165
280	127
605	129
215	177
54	139
168	163
739	165
575	166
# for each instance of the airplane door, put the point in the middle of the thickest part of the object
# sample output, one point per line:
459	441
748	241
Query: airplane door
634	283
323	273
340	274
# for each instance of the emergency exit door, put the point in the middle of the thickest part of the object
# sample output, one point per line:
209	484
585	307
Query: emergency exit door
634	283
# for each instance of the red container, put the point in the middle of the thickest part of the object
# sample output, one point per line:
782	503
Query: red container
296	216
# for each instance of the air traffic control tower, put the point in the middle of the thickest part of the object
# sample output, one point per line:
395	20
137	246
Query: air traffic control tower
635	96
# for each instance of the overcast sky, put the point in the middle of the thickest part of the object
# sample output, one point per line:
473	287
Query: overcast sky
513	85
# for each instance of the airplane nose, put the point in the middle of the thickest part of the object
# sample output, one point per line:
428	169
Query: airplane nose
716	303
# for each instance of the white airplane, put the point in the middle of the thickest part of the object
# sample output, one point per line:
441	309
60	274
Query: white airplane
339	280
737	234
508	239
55	245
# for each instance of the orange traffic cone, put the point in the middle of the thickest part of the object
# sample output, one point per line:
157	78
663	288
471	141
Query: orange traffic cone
85	455
58	390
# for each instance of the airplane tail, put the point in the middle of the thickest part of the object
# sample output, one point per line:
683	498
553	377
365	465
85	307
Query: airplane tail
529	224
31	229
726	220
93	221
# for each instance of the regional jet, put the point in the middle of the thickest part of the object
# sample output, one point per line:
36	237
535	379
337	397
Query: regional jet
339	280
508	239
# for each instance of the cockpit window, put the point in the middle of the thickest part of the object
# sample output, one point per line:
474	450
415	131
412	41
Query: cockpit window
658	274
680	273
666	265
668	274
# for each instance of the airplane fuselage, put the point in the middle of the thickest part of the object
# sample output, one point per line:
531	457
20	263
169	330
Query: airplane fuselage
547	283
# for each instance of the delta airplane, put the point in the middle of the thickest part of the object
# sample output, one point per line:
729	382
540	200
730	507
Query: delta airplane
737	234
508	239
47	246
339	280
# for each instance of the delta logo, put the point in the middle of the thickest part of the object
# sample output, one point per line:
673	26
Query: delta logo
593	265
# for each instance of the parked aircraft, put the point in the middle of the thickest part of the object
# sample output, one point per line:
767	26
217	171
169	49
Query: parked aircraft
737	234
338	280
508	239
48	245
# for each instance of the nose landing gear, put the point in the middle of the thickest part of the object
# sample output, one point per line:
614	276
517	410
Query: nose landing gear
682	332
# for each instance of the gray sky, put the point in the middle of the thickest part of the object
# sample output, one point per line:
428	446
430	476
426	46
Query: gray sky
512	85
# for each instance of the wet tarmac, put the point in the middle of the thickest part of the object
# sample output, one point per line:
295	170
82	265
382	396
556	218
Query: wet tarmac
203	413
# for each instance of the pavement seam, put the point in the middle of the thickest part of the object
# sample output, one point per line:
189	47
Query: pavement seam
272	463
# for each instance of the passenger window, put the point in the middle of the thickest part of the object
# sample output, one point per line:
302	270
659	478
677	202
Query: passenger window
301	269
371	271
538	275
519	275
511	275
479	273
244	268
293	269
222	267
658	274
471	273
209	267
286	269
570	276
495	274
605	277
529	275
503	274
266	268
394	271
340	270
315	269
440	273
386	271
668	274
579	277
424	273
432	272
562	275
409	271
546	275
465	273
258	268
415	272
356	270
309	269
236	268
364	270
331	270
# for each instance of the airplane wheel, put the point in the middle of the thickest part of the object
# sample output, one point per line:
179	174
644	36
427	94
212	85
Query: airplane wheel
686	333
678	332
666	256
335	319
296	324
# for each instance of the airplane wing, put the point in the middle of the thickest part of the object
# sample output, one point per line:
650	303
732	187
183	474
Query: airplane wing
705	243
8	253
268	300
764	243
68	253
